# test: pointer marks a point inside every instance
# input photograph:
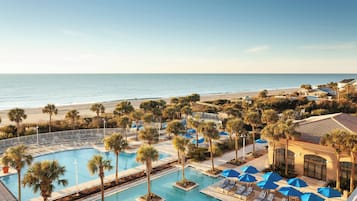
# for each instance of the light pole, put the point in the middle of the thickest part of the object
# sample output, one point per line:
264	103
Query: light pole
37	135
105	122
76	172
243	136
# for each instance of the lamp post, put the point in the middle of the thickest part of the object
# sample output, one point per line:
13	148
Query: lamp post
243	136
76	172
105	122
37	135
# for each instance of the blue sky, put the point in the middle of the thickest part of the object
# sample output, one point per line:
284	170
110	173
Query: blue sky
177	36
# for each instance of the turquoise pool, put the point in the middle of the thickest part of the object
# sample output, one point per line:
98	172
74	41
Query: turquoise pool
163	187
67	158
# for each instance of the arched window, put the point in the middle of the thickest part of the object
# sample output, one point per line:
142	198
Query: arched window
315	167
346	168
280	158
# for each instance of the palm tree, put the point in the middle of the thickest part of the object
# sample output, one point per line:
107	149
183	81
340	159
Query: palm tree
42	174
99	109
73	116
253	119
148	118
235	126
123	107
272	134
288	115
136	116
193	123
146	154
17	157
186	110
150	134
98	164
270	116
17	115
117	144
169	112
336	140
211	133
175	127
50	109
351	147
287	130
124	123
180	143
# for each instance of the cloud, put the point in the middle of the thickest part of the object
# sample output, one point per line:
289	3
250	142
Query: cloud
258	49
336	46
73	33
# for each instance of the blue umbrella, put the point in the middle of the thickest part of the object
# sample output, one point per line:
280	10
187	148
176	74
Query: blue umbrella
247	178
223	133
297	182
200	140
249	169
230	173
267	184
329	192
311	197
289	191
183	122
188	136
191	130
272	176
261	141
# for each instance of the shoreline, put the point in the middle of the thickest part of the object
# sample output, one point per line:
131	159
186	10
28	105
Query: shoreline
35	114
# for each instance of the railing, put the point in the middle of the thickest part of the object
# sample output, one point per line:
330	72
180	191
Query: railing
90	136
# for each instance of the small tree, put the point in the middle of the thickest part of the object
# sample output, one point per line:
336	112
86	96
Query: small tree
253	118
17	115
181	145
73	116
123	108
175	127
136	115
150	134
99	109
211	133
51	110
235	126
124	123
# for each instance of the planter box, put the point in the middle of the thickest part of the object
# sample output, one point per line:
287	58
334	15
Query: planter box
143	199
186	189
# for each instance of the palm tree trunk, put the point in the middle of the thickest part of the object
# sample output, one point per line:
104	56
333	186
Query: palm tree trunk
49	125
236	147
178	157
102	184
286	157
196	138
273	156
98	121
352	178
19	184
45	198
116	168
253	140
183	168
338	185
211	148
148	178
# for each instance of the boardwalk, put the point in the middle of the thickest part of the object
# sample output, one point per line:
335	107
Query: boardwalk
5	194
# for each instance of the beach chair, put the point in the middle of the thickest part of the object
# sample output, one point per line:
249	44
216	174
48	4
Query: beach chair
261	196
224	184
230	186
270	197
240	190
248	192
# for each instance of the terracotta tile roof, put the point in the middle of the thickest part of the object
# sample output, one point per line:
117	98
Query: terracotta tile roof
313	128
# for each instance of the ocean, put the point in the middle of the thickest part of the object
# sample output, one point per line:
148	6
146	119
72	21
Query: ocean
37	90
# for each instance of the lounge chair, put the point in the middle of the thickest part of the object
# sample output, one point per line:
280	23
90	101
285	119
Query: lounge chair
248	192
284	199
270	197
230	186
224	184
240	190
261	196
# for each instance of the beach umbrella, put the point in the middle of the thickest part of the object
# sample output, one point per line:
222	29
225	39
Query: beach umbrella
261	141
249	169
183	122
311	197
191	130
223	133
187	136
267	184
247	178
289	191
272	176
329	192
200	140
230	173
297	182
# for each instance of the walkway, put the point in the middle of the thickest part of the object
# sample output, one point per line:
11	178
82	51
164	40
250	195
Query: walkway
5	194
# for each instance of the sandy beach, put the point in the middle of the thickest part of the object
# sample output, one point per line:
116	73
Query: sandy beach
35	114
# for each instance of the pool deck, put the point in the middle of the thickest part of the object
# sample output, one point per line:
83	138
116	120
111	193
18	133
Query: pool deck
5	194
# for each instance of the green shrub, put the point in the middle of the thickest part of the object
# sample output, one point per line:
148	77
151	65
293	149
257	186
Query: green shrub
197	154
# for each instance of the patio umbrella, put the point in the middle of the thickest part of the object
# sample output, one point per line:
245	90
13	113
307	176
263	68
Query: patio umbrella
249	169
247	178
200	140
311	197
230	173
187	136
267	184
272	176
261	141
289	191
297	182
223	133
329	192
191	130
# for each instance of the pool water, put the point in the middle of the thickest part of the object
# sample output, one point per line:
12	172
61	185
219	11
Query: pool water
67	158
163	186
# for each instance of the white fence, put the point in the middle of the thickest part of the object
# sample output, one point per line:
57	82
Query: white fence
90	136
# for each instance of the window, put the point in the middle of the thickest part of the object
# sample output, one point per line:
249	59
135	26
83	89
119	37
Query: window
315	167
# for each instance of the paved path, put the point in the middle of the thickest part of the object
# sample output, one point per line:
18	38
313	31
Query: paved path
5	194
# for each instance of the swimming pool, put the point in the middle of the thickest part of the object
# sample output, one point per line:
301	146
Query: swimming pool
67	158
163	186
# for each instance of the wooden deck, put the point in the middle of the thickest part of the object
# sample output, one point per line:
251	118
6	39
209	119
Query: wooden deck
5	194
